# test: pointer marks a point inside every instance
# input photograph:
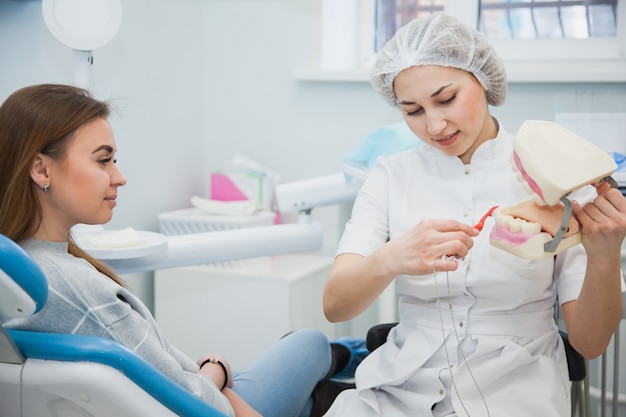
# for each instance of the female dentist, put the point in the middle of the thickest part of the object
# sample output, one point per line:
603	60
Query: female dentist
476	334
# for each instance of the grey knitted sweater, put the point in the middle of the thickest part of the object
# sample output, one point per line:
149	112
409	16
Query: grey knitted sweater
83	301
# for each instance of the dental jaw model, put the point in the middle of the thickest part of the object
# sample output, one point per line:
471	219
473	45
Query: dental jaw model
551	162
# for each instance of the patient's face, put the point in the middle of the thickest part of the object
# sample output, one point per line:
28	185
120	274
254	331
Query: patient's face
83	186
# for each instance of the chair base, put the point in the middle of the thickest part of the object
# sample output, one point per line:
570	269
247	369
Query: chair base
72	389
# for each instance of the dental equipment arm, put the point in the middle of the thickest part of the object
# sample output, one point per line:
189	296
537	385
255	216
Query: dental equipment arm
315	192
201	248
552	162
228	245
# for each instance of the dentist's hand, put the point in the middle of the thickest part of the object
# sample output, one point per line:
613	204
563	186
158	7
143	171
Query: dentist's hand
415	251
603	221
591	319
356	281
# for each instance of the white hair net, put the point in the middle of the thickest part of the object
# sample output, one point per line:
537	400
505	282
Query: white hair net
439	39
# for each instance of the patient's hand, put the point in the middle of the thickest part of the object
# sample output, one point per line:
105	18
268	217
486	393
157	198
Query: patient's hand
215	372
241	407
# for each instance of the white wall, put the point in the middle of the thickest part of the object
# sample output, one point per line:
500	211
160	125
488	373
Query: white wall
153	74
200	80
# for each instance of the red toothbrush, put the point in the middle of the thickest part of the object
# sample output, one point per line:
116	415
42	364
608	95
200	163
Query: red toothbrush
481	223
479	226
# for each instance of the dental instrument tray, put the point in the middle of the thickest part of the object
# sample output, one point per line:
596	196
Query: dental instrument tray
121	244
193	220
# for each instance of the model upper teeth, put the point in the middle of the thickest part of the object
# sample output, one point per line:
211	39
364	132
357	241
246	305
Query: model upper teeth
517	225
527	187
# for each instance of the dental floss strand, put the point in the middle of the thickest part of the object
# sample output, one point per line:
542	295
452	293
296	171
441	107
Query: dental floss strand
458	341
479	226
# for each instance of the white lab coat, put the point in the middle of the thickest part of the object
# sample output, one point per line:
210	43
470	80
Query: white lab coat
502	306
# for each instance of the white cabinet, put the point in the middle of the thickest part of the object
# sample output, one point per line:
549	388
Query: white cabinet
240	308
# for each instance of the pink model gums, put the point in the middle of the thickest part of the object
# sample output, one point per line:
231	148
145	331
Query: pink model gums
532	185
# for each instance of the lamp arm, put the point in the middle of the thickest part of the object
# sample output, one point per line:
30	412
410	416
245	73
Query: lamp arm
315	192
201	248
303	236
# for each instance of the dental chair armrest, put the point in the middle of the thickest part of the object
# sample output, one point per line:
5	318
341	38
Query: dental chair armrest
377	335
79	348
576	364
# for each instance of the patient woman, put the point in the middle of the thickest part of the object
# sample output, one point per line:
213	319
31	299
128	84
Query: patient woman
476	335
57	164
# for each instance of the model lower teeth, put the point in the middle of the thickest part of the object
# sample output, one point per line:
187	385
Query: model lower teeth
517	225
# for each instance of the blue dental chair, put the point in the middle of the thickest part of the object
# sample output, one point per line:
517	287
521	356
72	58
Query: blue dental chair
45	374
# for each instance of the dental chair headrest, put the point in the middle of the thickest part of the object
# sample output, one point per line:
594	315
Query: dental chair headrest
23	285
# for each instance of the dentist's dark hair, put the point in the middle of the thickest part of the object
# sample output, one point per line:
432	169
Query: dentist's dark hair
40	119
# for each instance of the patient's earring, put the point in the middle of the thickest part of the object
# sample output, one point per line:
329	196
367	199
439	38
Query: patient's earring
45	188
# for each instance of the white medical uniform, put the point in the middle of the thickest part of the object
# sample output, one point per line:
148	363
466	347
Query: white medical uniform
500	331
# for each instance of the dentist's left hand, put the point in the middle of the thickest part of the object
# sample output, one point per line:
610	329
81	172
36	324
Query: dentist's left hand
603	222
592	318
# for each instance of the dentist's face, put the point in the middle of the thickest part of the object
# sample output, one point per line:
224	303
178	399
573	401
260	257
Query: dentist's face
83	186
446	108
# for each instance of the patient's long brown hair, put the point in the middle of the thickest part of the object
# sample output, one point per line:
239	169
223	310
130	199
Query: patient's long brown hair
40	119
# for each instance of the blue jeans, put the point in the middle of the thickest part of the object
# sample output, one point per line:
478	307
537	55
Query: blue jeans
279	383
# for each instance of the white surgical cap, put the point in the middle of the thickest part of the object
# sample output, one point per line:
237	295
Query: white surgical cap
439	39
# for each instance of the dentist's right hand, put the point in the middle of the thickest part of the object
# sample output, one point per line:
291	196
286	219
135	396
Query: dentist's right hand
356	281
